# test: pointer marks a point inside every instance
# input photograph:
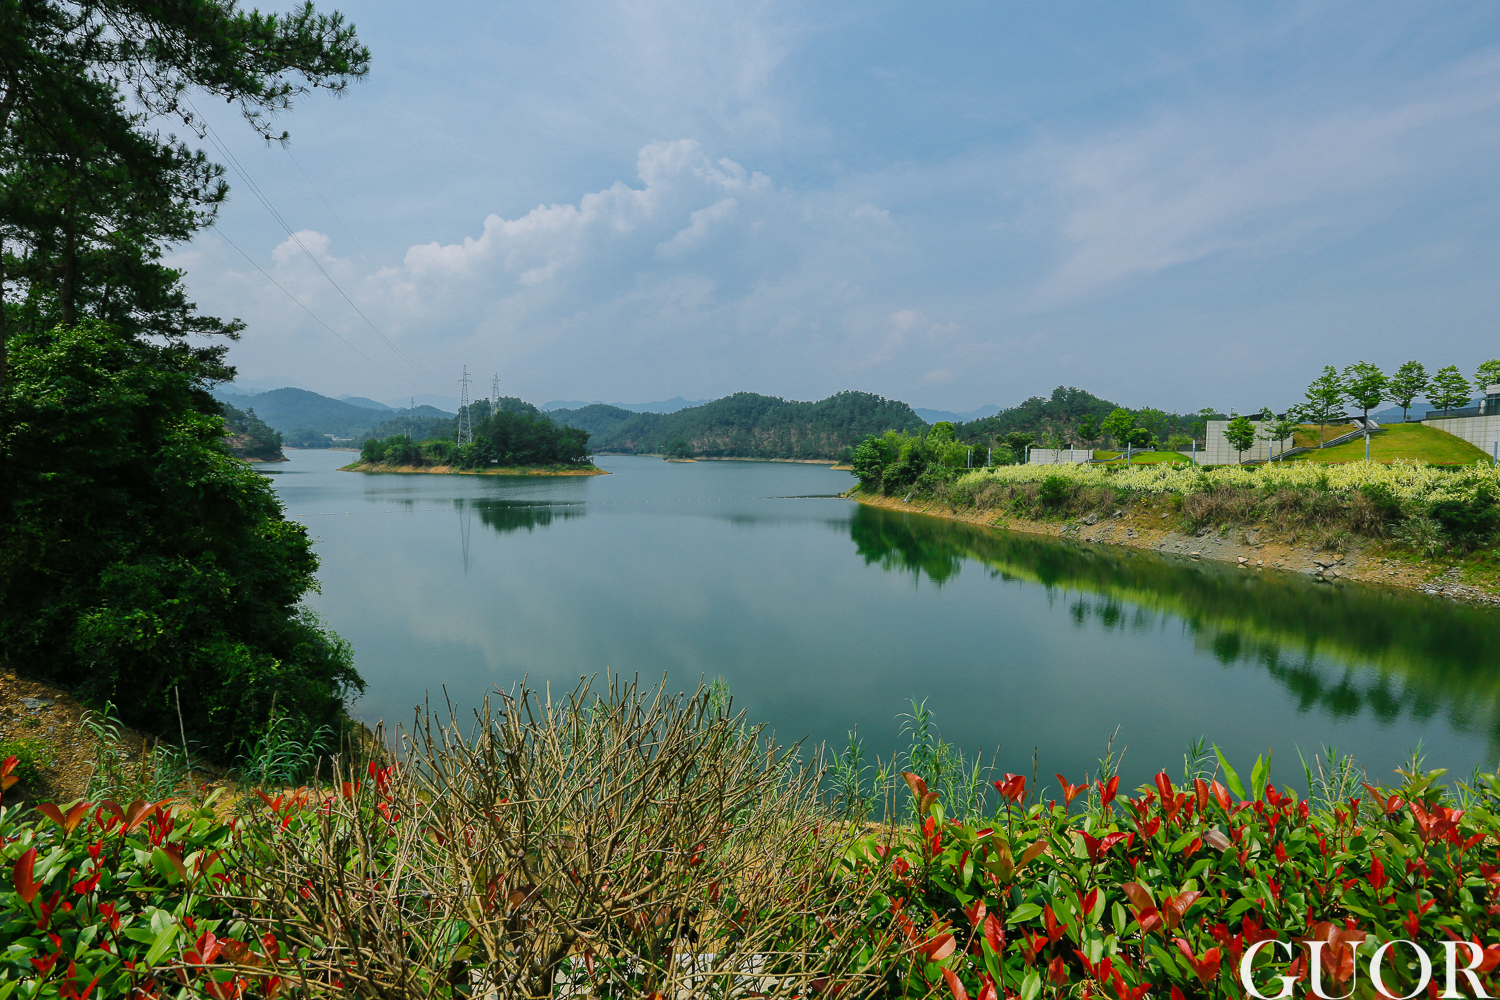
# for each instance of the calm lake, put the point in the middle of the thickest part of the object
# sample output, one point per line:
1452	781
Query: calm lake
823	615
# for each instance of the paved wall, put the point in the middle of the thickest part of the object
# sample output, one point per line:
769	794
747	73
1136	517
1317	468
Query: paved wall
1482	432
1217	451
1058	456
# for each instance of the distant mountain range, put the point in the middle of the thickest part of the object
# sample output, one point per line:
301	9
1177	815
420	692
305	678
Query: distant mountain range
290	410
745	425
366	402
662	406
933	416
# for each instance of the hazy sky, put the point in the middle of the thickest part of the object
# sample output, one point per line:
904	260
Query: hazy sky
950	204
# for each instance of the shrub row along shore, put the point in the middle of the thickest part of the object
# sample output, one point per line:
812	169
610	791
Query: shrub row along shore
1411	511
626	842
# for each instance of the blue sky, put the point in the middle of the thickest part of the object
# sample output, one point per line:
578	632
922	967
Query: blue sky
950	204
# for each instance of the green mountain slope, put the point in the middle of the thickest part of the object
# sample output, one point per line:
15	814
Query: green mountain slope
746	425
289	410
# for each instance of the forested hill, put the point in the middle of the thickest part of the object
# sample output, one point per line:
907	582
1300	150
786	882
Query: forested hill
300	413
745	425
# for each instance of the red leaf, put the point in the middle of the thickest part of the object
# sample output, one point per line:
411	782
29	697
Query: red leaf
938	948
954	986
69	822
994	934
917	785
26	888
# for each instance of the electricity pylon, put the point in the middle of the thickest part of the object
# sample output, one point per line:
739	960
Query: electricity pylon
465	428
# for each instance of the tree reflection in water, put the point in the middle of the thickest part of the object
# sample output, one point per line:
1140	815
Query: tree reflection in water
1341	649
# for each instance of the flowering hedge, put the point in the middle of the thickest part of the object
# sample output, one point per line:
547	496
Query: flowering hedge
1164	894
1409	481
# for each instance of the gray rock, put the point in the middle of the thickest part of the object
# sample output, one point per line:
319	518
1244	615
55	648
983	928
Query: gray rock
37	704
1091	519
1118	513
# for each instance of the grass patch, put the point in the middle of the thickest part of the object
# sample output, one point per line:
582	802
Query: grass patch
32	757
1416	442
1158	457
1307	435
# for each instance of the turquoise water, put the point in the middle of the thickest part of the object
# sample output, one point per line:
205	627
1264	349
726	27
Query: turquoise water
823	616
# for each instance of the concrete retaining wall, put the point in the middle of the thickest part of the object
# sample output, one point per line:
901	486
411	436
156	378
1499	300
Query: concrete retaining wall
1217	451
1059	456
1482	432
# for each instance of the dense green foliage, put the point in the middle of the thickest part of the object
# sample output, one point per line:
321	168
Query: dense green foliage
305	437
516	434
896	462
139	561
1164	891
1073	417
249	436
976	884
747	425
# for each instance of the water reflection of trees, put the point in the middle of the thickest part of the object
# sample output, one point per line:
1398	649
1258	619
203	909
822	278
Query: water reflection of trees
507	517
1339	650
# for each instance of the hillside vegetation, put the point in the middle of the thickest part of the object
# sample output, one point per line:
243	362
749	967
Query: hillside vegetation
515	434
249	436
746	425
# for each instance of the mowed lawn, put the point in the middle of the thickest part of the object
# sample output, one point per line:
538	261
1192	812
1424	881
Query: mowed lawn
1413	441
1143	457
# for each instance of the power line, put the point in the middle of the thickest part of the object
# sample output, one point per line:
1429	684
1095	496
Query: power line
213	136
329	207
314	315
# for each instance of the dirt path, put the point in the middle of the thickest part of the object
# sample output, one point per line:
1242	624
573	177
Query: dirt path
51	721
1253	549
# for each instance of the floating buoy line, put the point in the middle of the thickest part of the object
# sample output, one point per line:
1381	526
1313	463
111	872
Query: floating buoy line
491	505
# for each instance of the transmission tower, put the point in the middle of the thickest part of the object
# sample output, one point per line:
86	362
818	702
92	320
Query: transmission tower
495	392
465	429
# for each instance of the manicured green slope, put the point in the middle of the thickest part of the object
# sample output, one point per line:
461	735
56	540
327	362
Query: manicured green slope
1417	442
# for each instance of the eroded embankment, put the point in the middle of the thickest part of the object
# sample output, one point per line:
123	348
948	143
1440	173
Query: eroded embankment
1143	525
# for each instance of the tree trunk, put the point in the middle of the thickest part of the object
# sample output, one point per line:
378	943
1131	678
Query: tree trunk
3	358
68	288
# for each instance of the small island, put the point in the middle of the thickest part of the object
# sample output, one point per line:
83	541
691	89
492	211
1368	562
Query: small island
516	440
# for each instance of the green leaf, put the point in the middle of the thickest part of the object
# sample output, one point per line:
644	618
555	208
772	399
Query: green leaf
161	944
1032	985
1182	841
1231	780
1026	911
1240	906
1260	775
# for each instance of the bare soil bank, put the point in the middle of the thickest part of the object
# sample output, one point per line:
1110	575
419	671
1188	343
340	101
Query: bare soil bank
450	470
1145	527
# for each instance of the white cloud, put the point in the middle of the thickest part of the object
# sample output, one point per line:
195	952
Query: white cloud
1193	183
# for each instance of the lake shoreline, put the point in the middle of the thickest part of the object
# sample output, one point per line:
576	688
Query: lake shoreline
1140	528
448	470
